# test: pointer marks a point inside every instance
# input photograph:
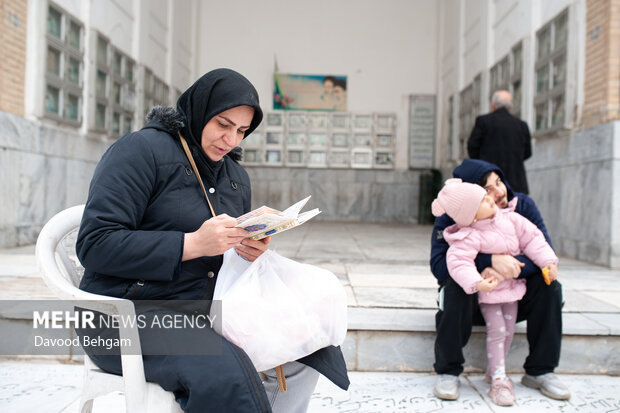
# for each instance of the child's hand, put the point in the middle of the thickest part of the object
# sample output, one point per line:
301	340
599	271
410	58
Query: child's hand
487	285
550	273
489	272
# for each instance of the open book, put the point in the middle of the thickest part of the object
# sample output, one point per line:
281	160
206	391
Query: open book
265	221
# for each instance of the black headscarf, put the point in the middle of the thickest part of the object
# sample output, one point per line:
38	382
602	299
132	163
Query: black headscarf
215	92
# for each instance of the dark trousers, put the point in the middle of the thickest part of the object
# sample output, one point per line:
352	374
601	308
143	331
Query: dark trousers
541	307
204	371
202	383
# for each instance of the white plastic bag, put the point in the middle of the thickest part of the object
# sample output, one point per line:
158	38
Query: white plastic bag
278	310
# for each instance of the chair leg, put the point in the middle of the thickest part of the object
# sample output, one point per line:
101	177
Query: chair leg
86	406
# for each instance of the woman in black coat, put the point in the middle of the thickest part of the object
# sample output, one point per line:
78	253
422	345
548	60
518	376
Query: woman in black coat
147	234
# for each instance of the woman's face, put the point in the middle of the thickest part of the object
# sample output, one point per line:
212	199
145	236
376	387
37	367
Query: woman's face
226	130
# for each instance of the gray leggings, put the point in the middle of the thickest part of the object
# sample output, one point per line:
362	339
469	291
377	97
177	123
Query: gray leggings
300	380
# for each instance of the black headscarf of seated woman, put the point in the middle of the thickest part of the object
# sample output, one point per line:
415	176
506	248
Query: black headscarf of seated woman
215	92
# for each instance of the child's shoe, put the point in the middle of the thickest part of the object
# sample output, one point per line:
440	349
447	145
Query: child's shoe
502	393
488	379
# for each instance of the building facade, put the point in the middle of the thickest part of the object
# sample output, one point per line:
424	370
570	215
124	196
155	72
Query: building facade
77	75
560	59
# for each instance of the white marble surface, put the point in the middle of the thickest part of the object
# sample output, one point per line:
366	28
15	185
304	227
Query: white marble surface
43	387
412	392
366	195
43	170
395	297
391	319
391	275
38	387
573	177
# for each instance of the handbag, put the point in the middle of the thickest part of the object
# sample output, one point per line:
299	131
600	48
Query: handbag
279	371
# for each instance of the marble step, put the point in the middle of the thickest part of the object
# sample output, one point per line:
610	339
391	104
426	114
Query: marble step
402	339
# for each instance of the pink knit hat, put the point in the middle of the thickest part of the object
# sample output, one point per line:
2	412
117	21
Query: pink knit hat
460	200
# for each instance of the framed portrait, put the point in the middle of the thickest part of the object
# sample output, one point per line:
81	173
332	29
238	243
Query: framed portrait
361	158
362	121
362	139
384	160
340	140
251	156
274	138
317	159
385	121
295	158
275	119
296	139
297	120
318	121
273	157
254	139
339	159
385	140
310	92
318	139
340	121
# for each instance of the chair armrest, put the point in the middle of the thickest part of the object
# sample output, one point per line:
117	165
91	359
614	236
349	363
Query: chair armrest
132	364
51	262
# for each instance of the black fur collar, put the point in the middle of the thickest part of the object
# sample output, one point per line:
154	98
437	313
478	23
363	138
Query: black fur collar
172	121
167	117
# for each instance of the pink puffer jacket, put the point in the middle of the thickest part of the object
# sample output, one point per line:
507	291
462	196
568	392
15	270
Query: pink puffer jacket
505	233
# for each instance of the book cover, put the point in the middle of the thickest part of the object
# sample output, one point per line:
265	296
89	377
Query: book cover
265	221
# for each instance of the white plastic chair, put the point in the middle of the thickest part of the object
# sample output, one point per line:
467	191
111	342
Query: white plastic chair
62	275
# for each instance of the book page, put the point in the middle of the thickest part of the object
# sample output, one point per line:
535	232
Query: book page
305	216
265	221
294	209
255	213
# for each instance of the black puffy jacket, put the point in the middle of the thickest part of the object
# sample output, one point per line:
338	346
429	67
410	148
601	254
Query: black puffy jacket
143	197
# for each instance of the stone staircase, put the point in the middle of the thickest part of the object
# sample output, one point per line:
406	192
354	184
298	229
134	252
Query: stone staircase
392	327
392	299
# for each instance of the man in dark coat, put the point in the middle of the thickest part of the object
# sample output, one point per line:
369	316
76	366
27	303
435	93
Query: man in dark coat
541	306
502	139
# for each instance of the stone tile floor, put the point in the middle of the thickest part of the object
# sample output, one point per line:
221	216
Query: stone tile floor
413	392
51	387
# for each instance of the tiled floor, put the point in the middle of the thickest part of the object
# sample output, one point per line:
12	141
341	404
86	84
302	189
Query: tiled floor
48	387
412	392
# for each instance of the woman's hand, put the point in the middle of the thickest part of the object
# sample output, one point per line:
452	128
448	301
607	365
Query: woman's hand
251	249
215	236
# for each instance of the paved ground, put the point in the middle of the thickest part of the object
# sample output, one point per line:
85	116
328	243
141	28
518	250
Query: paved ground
383	268
49	387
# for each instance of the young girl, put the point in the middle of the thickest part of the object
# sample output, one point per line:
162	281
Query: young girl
482	227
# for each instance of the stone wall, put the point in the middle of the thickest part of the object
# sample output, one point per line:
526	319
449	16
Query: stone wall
575	181
341	194
13	25
43	169
602	91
